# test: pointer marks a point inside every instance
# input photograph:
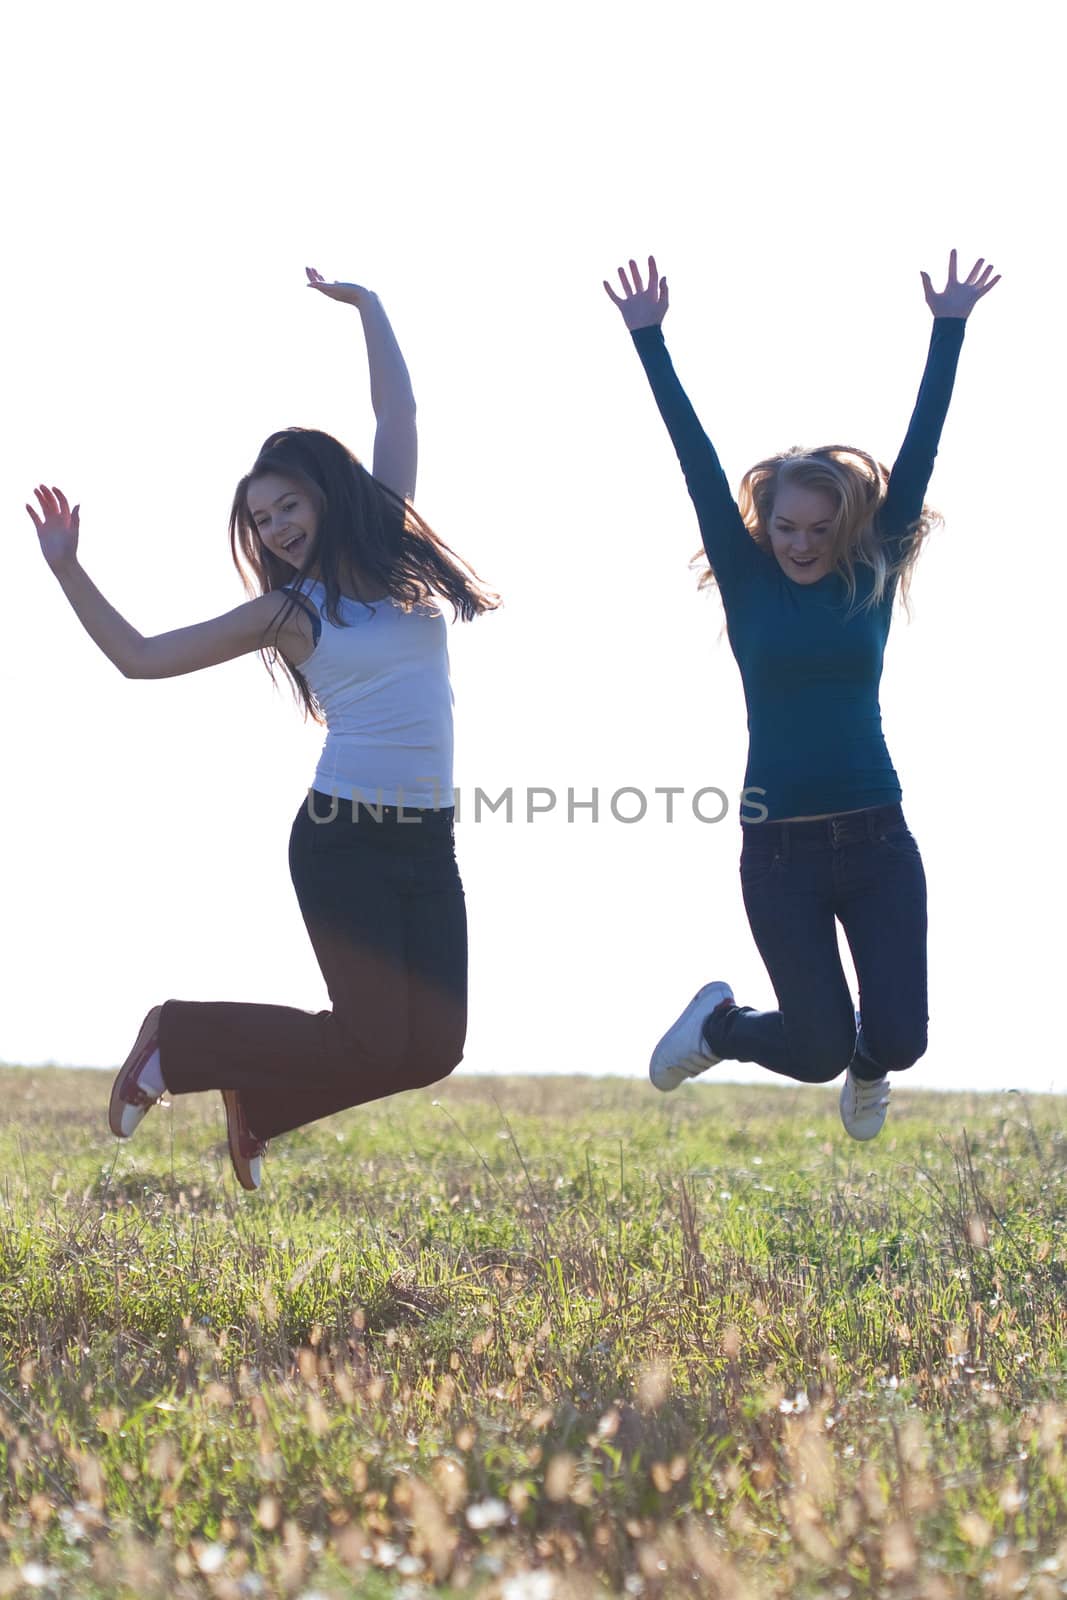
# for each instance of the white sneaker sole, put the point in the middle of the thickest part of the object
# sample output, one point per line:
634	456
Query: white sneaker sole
870	1125
124	1116
247	1169
681	1054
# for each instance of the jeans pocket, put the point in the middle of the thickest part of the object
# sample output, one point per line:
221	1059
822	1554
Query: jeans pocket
340	834
897	840
758	866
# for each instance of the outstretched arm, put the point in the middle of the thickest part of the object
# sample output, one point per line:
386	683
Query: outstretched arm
395	439
914	465
727	541
166	655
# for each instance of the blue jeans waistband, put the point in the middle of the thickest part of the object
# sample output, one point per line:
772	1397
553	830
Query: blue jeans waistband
847	827
326	808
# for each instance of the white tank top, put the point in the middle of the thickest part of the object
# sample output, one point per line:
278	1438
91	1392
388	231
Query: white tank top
382	682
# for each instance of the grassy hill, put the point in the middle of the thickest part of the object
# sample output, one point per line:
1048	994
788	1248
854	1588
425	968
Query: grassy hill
535	1339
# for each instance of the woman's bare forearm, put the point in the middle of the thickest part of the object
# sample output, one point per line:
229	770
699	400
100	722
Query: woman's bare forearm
396	445
392	397
391	394
120	642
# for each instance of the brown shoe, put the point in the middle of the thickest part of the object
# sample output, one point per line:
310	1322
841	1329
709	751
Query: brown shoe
246	1151
129	1102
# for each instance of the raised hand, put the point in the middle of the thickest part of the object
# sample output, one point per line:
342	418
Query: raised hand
641	307
959	299
57	528
350	294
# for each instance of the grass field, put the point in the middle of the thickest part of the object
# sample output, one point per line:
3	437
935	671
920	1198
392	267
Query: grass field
533	1339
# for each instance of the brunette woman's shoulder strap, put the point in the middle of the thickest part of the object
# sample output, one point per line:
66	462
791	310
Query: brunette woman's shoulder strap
306	605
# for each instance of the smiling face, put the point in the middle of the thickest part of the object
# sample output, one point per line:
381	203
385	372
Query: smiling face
285	516
800	528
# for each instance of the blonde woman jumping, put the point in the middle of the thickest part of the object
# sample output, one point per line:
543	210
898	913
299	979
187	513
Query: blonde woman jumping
808	562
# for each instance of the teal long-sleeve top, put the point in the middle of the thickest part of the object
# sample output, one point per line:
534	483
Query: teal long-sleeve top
810	664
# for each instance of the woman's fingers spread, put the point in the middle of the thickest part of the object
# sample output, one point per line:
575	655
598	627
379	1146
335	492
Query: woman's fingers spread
952	267
612	294
63	505
638	286
625	282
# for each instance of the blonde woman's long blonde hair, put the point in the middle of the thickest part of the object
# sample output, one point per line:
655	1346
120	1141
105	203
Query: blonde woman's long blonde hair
856	483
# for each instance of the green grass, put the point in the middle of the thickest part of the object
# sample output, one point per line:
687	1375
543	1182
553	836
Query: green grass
534	1339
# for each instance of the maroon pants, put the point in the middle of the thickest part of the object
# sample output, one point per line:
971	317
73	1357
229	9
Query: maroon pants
380	893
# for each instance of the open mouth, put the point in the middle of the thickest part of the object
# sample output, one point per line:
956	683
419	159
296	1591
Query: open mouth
295	546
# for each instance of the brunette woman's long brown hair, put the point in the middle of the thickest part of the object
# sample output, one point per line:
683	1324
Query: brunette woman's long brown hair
360	524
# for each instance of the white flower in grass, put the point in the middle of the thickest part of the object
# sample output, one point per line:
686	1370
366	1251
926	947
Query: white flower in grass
487	1514
35	1576
529	1586
211	1558
73	1526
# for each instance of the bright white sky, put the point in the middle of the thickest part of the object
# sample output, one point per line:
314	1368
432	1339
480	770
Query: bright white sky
169	175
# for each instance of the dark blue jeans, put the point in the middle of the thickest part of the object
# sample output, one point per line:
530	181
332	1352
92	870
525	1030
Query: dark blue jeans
382	900
861	869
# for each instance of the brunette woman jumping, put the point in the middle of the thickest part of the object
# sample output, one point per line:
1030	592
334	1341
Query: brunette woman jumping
346	577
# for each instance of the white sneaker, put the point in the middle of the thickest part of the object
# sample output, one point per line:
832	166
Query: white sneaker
864	1105
246	1151
130	1100
682	1052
